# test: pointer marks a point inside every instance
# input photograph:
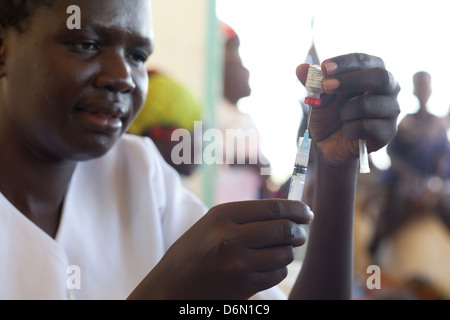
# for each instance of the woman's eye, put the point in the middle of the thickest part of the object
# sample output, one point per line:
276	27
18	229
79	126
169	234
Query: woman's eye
138	57
86	46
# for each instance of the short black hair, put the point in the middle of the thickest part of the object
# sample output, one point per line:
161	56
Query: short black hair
14	13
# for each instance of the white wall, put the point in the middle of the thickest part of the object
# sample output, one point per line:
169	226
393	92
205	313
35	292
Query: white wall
187	48
180	41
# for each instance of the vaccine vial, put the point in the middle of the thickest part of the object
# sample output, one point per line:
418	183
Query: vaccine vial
313	85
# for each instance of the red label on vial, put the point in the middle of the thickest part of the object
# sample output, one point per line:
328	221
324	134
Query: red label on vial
313	101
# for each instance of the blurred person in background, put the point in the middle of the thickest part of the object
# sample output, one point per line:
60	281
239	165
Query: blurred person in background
240	176
412	235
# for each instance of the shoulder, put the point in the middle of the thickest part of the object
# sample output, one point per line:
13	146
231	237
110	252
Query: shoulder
136	146
137	152
133	173
132	160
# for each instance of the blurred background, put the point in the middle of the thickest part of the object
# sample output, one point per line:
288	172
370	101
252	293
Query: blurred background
275	37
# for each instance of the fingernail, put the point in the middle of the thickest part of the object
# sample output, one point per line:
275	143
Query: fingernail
330	66
330	84
311	216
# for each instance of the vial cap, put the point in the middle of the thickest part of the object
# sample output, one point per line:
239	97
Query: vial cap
313	101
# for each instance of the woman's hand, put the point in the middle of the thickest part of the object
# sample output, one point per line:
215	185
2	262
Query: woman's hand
236	250
359	102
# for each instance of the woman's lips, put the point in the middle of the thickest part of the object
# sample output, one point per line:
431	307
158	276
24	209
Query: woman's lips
103	120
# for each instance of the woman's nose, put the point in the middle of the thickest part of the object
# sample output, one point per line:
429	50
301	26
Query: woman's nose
115	74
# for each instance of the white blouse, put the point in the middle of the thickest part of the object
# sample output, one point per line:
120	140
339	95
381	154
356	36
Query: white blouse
121	213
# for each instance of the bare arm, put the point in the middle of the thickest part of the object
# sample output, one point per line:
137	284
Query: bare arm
327	269
363	106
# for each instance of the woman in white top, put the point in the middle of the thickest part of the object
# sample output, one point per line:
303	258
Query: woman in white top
91	213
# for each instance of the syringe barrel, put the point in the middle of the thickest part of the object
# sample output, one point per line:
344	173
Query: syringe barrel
302	158
300	168
296	187
303	147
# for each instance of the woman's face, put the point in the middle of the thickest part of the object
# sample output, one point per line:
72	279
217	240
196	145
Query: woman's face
70	94
236	76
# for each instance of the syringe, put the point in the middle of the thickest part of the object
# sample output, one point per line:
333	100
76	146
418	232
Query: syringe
314	87
300	168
